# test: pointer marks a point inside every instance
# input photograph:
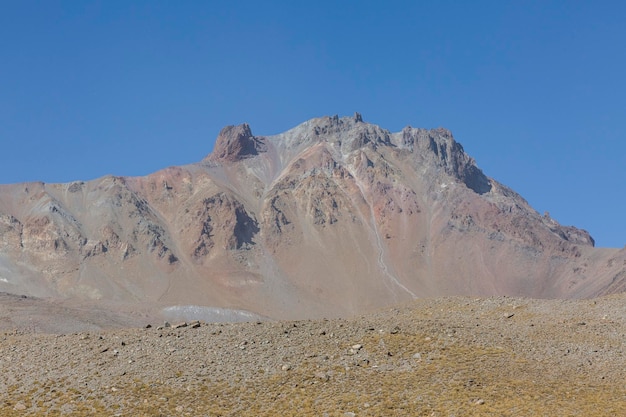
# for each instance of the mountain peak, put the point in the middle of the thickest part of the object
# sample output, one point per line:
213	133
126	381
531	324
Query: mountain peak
332	217
235	143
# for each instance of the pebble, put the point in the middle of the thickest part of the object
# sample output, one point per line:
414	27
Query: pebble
322	376
19	406
354	349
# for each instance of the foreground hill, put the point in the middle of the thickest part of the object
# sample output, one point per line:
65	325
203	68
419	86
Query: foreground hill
431	357
331	218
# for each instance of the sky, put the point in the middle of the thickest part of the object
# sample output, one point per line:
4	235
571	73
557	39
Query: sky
535	91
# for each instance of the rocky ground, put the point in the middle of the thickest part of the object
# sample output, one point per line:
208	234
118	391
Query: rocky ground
433	357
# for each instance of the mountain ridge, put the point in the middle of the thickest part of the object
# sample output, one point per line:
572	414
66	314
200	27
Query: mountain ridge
332	217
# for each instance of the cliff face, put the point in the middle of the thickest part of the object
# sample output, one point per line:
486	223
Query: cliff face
335	216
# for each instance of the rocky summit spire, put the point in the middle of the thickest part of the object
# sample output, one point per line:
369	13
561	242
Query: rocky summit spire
235	143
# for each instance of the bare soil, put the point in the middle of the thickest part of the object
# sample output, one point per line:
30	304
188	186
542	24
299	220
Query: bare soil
433	357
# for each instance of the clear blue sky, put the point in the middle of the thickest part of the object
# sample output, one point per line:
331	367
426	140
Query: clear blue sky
534	90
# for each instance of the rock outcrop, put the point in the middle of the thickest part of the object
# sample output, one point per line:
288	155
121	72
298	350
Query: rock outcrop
235	143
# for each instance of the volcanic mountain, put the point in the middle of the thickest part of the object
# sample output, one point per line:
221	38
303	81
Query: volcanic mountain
331	218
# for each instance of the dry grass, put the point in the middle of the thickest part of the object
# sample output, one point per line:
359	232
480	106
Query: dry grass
454	380
470	358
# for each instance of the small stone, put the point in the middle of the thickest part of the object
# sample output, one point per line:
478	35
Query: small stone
148	326
285	367
19	406
179	325
479	401
417	356
357	347
167	324
349	414
395	330
322	376
194	324
179	409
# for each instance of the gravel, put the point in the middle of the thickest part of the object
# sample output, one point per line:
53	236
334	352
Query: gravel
490	356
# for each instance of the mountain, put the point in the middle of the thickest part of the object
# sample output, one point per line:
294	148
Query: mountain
333	217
